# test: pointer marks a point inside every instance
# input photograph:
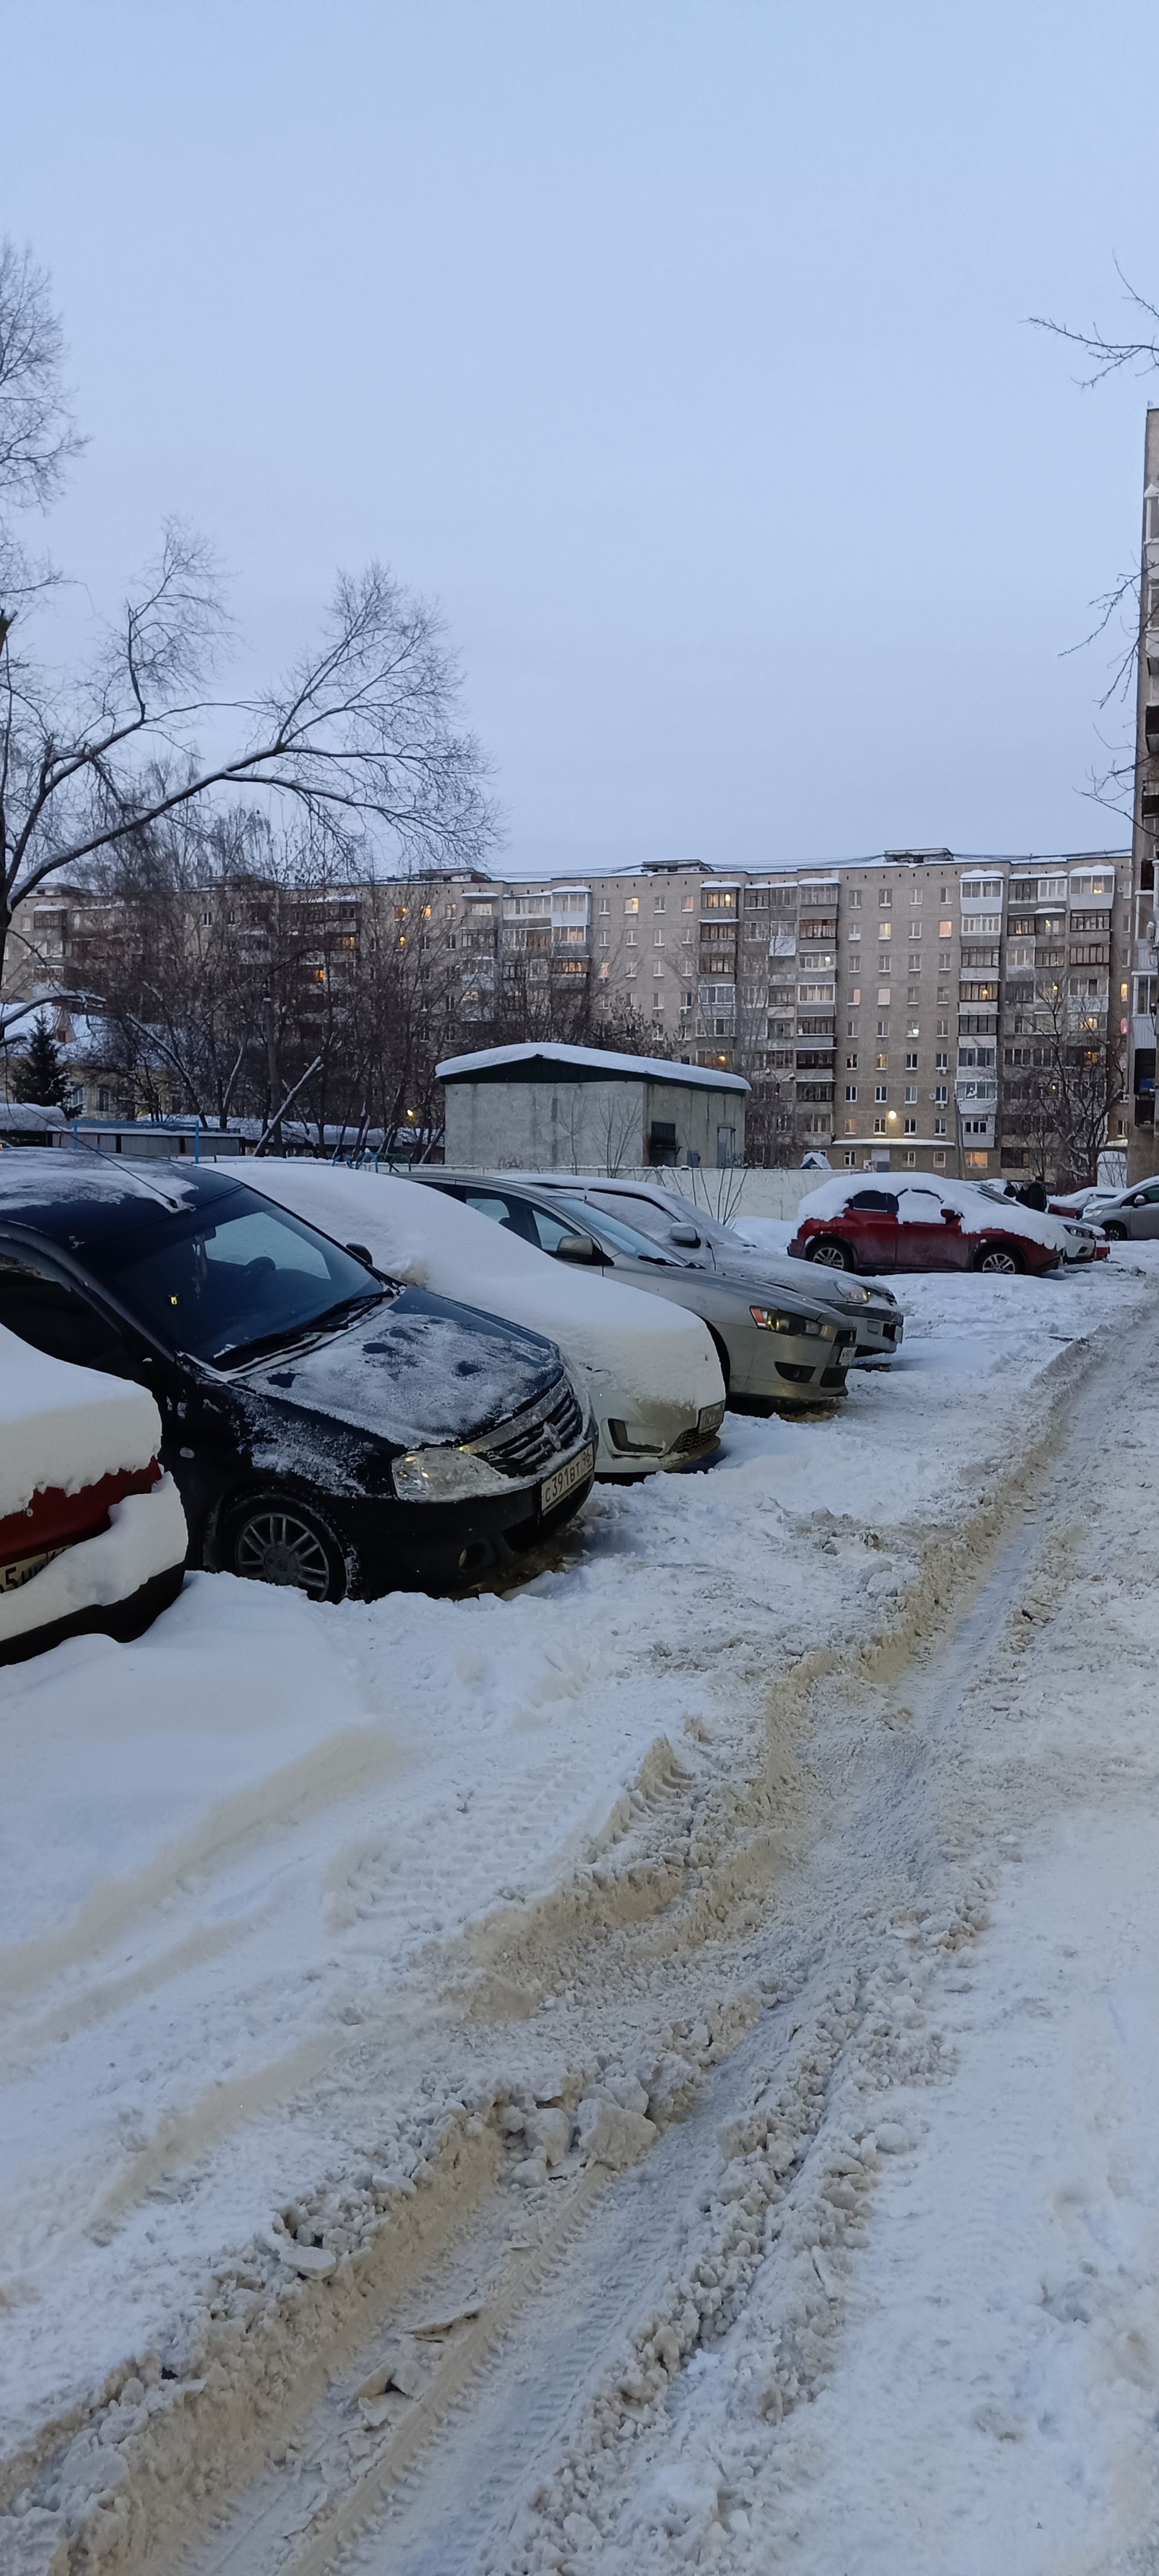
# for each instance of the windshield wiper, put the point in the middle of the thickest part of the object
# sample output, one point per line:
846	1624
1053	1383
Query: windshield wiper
265	1344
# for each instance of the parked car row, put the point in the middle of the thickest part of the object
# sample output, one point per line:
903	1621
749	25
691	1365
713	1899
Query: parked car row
346	1384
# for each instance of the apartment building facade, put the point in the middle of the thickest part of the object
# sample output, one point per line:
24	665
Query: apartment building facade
895	1012
900	1006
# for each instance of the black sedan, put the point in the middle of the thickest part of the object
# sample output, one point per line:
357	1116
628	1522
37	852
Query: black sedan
325	1426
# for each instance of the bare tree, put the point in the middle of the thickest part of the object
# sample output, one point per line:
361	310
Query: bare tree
1060	1087
360	737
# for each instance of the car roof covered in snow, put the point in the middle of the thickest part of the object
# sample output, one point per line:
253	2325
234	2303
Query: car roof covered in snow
921	1196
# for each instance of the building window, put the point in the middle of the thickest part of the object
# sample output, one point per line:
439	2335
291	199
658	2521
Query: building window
883	996
911	1160
939	1161
881	1091
885	930
851	1091
657	966
882	1060
689	903
631	903
909	1126
879	1127
884	897
850	1161
911	1091
658	904
940	1129
915	930
657	939
851	1064
977	1162
911	1062
854	900
605	906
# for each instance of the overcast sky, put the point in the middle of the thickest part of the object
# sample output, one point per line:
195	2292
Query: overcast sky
674	346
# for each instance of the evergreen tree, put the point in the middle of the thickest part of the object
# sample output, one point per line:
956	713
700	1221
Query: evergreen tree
40	1075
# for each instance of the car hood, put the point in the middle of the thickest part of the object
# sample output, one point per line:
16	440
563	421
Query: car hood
417	1371
759	1268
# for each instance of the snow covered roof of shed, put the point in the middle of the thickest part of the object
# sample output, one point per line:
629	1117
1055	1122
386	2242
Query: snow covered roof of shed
532	1063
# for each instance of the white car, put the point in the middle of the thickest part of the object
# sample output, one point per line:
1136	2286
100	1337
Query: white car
92	1534
650	1372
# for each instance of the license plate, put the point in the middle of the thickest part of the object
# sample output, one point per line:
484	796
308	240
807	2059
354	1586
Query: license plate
566	1479
12	1576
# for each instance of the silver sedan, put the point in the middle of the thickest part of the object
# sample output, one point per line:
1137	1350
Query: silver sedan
675	1223
778	1349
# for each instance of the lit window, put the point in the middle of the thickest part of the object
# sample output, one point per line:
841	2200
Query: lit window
631	903
885	930
689	903
945	930
882	1061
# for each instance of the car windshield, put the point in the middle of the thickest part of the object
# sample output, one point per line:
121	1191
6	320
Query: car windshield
610	1230
245	1279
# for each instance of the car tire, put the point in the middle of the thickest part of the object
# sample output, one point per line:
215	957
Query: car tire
1003	1258
1115	1233
829	1255
273	1538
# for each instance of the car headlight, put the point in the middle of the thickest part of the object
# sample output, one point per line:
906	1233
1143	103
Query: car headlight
445	1476
852	1296
772	1322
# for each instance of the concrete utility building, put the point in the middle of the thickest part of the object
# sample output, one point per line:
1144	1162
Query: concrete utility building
578	1109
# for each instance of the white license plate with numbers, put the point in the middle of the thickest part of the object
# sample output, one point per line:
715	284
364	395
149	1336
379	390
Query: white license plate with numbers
566	1479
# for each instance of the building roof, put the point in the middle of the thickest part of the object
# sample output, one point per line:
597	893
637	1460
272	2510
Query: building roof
532	1063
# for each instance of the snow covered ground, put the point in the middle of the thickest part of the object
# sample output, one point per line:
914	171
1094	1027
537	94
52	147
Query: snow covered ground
256	1869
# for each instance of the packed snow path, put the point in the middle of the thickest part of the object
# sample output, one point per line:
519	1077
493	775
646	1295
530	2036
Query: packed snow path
856	2294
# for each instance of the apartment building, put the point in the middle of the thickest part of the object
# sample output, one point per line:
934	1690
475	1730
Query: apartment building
1143	964
898	1012
901	1008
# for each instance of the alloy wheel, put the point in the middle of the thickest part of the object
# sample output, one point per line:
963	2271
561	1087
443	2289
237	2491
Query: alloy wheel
281	1546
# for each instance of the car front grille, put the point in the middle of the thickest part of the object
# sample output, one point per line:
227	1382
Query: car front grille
536	1437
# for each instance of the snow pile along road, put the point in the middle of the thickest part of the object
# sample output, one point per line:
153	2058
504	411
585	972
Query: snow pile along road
300	1906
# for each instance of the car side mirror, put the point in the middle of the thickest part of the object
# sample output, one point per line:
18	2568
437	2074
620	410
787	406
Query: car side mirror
951	1216
685	1235
360	1252
577	1247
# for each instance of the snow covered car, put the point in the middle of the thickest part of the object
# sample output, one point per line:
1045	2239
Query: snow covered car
673	1221
1131	1216
326	1427
92	1534
652	1376
775	1348
895	1222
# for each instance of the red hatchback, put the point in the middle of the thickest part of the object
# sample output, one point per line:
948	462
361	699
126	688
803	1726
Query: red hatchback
916	1225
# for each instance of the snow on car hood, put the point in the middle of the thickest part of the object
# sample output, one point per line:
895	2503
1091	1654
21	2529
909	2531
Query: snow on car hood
618	1338
416	1369
66	1427
920	1203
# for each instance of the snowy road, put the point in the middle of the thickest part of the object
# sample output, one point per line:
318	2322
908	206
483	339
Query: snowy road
851	1867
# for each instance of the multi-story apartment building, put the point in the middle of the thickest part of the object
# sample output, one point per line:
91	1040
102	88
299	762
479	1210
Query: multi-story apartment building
902	1011
1142	966
901	1006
